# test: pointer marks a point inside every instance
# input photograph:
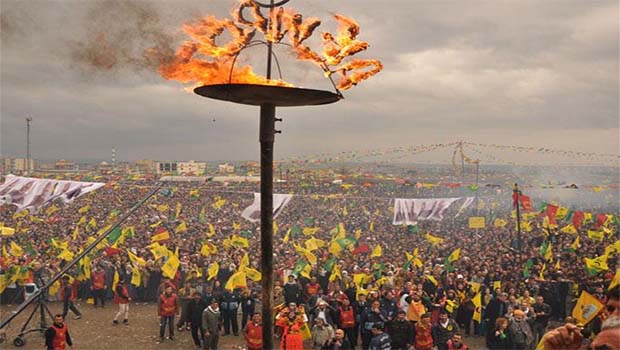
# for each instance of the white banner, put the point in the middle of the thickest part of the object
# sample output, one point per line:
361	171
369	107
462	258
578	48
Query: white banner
466	204
252	213
409	211
31	193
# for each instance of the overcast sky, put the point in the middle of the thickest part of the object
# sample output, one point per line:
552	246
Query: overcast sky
531	73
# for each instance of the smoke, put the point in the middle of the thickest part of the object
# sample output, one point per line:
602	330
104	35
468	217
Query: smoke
14	24
122	35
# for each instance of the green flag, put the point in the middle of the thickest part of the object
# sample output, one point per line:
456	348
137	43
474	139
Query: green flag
329	264
412	229
526	270
114	235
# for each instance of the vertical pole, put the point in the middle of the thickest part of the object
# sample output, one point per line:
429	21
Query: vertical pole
515	203
267	138
476	194
27	167
267	122
462	163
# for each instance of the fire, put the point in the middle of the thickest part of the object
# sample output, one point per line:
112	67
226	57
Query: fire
202	61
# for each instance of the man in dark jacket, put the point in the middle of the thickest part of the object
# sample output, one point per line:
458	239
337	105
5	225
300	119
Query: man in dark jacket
444	330
194	315
369	318
496	308
292	291
230	305
401	332
543	313
380	339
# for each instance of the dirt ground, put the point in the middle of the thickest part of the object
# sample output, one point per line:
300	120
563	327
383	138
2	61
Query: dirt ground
95	331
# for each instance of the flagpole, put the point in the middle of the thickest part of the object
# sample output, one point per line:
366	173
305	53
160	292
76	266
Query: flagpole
515	202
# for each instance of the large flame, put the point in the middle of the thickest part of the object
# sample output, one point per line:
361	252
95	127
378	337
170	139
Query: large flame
201	61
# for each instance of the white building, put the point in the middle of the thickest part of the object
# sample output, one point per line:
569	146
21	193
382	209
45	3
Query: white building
226	168
191	168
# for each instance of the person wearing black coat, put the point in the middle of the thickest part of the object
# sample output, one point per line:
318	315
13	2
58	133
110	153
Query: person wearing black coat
401	331
338	342
369	318
500	337
496	308
292	291
248	304
194	315
229	306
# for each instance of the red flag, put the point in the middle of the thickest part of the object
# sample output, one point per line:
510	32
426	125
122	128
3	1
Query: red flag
109	251
515	198
552	210
526	203
578	218
600	220
361	249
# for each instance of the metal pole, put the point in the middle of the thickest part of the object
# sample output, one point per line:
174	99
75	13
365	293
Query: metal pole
515	202
27	168
266	139
267	136
79	257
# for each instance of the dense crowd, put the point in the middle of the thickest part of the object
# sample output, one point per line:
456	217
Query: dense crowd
349	298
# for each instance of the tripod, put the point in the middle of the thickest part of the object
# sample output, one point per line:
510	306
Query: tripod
41	308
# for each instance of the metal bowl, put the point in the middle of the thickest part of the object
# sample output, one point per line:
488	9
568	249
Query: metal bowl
256	95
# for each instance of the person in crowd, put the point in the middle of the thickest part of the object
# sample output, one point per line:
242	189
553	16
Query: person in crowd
57	335
401	331
212	324
321	333
292	291
230	305
121	297
424	333
496	308
380	339
98	286
456	343
338	342
68	295
185	296
416	308
248	304
520	333
346	321
291	325
542	313
253	332
167	308
444	330
500	338
369	318
194	315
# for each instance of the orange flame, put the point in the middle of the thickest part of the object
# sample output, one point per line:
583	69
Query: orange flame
202	61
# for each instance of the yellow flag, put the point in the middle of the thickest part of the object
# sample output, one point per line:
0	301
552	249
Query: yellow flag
334	248
181	228
208	248
500	222
597	264
213	270
20	214
7	231
275	228
82	220
336	274
310	230
177	211
211	232
561	213
16	250
526	226
344	211
432	279
245	262
84	209
497	285
477	300
218	204
557	265
312	259
615	281
596	235
66	255
159	251
433	239
569	229
136	260
155	224
475	287
237	280
287	236
587	308
358	233
5	253
51	210
238	241
136	276
372	226
376	252
76	233
587	217
171	266
236	226
613	248
455	255
314	244
162	236
575	244
253	274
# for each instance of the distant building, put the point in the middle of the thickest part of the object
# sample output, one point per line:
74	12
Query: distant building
226	168
191	168
166	167
65	165
17	165
146	166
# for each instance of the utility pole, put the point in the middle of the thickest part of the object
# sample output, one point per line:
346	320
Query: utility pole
27	167
515	202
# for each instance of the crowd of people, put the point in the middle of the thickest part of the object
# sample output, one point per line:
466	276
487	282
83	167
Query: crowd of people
348	298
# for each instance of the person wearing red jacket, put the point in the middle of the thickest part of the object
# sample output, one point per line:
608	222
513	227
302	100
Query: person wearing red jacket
98	285
423	333
253	332
168	307
346	321
121	297
57	336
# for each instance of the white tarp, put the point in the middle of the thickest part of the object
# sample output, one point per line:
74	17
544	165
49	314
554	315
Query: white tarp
408	211
32	193
465	205
252	213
